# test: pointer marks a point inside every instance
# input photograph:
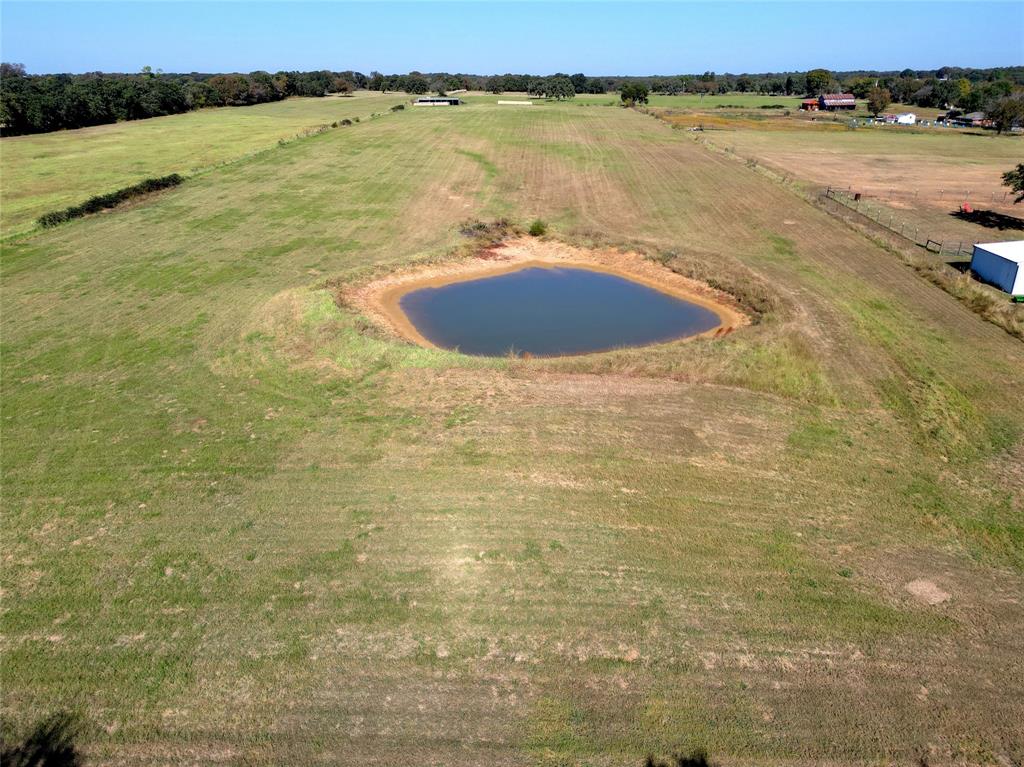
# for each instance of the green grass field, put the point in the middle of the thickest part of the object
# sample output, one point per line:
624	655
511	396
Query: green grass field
242	525
681	101
54	170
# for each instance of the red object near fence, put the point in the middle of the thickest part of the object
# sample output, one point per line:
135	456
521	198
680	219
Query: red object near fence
966	208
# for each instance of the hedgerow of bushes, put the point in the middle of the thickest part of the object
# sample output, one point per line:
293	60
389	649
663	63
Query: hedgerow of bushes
111	200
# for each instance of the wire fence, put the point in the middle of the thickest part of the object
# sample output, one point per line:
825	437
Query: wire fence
951	250
950	194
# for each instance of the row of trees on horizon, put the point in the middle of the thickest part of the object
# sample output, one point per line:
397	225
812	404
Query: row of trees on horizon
40	103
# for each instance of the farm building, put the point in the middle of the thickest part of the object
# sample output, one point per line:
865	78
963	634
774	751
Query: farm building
437	101
969	120
809	105
1001	264
834	102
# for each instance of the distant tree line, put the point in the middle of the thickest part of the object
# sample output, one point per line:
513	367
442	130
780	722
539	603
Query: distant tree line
532	84
40	103
969	89
37	103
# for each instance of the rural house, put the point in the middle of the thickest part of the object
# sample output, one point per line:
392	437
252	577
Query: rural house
969	120
809	105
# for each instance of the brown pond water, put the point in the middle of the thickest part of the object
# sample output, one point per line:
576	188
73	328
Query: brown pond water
550	311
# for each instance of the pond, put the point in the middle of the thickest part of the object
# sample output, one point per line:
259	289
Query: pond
551	311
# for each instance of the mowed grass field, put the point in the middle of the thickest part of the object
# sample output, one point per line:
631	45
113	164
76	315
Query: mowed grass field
51	171
243	526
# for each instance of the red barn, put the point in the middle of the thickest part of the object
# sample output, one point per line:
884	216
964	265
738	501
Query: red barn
834	102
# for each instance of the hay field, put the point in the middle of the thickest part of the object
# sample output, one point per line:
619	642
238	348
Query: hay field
243	525
50	171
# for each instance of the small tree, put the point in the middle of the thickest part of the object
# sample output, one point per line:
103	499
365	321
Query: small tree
1015	180
343	86
878	100
633	93
1006	113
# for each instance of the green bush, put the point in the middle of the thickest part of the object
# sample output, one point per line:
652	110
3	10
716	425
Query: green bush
111	200
398	107
538	228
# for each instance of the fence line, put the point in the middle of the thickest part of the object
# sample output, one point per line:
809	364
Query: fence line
856	202
946	194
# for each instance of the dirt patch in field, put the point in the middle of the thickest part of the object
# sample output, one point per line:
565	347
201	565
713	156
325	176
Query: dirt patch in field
927	592
380	299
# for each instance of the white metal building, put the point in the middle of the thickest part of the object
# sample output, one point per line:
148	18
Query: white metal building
436	101
1001	264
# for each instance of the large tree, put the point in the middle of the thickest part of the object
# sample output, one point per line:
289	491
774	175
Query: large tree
878	100
416	83
818	81
558	87
633	93
1015	180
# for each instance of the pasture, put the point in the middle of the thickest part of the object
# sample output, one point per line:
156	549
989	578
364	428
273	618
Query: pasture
243	524
728	101
50	171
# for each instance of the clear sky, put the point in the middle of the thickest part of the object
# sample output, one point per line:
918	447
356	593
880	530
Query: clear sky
597	38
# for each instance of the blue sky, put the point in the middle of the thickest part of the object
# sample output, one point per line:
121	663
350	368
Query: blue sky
598	38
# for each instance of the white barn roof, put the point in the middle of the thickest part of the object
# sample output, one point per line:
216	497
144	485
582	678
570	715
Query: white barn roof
1011	251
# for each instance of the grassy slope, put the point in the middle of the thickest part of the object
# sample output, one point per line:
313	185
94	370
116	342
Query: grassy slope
53	170
239	526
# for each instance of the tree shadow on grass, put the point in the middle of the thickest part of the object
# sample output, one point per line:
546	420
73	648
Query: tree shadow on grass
990	219
50	743
698	758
